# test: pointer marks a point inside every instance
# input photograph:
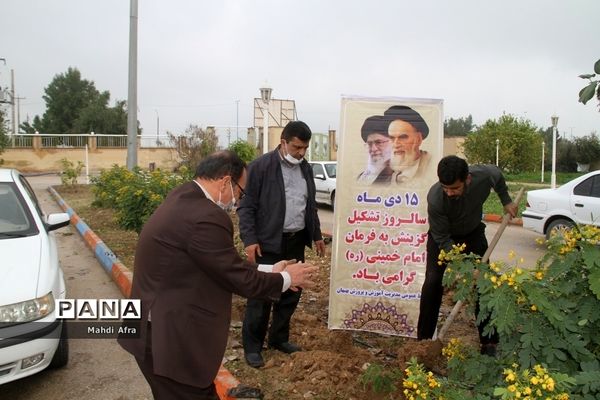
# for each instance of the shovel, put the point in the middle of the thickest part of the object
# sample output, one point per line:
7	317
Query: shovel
457	307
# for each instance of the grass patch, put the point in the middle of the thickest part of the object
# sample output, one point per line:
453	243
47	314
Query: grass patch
102	221
536	177
531	181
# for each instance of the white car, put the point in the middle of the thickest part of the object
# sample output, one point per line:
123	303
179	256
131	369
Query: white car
324	173
31	338
576	202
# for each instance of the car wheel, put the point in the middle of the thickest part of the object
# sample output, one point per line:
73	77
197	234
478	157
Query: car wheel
558	227
332	199
61	356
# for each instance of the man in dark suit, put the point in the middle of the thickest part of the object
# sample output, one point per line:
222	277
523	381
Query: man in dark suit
186	269
278	219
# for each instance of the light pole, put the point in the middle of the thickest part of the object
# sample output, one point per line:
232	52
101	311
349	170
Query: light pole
543	154
157	129
554	119
237	120
132	104
497	150
265	94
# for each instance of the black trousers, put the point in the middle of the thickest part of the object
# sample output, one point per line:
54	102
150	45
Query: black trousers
164	388
256	319
432	291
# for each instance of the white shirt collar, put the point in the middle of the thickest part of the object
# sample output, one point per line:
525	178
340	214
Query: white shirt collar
208	196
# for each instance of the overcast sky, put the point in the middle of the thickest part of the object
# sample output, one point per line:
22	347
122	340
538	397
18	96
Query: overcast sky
196	58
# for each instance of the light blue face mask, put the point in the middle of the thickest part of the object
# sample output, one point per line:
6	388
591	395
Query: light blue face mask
227	207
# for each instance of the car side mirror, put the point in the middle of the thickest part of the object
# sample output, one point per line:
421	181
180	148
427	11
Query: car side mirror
57	220
320	176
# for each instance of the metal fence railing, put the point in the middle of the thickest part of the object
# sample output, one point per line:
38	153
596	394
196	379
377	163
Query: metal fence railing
162	141
20	142
64	141
111	140
23	141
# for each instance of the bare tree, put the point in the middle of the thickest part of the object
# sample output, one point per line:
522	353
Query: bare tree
194	145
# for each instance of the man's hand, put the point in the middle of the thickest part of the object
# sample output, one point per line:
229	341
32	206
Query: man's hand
512	209
281	265
252	251
320	247
302	275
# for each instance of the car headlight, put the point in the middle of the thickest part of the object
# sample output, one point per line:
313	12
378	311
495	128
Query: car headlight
26	311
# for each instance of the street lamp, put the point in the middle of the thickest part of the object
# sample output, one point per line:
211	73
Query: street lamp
265	95
554	119
237	120
543	160
497	148
157	129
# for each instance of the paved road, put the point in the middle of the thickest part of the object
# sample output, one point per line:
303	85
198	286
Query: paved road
521	241
98	369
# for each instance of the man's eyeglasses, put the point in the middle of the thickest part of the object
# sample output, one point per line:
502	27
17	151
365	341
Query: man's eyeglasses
377	143
242	192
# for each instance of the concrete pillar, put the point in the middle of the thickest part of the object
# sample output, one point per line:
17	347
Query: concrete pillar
92	142
332	145
252	136
274	136
37	141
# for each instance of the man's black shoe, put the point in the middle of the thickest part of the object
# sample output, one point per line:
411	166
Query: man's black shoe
286	347
254	360
488	349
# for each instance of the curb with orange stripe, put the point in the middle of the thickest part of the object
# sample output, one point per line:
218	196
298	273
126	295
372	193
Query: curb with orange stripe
498	218
123	278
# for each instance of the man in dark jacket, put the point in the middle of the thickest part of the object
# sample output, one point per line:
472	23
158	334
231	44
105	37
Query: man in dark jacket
186	269
278	218
454	209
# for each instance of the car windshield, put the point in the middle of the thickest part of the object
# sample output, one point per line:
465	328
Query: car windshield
330	168
15	220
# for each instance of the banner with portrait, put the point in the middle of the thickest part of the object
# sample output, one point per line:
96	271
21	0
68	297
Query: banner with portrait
388	150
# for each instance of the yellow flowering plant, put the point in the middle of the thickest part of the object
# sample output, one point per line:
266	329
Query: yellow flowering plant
533	384
419	384
469	370
460	274
134	194
546	314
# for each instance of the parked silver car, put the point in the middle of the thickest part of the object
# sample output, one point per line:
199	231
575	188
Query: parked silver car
576	202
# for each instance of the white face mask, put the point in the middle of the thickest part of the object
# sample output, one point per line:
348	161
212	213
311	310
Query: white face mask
227	207
288	157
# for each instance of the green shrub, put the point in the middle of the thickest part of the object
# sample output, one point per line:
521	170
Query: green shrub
106	185
70	171
244	150
587	149
380	379
134	194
